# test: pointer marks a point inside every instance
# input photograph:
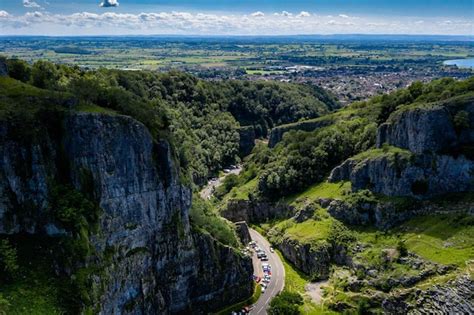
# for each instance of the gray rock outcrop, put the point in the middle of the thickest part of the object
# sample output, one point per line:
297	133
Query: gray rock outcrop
314	261
255	211
454	297
158	263
419	130
243	232
424	176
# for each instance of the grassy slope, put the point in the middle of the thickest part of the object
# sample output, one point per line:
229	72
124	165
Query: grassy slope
444	239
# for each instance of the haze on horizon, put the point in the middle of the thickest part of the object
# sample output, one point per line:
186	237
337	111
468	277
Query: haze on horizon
224	17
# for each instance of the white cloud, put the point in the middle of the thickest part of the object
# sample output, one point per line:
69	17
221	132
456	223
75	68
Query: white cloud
109	3
284	23
304	14
258	14
419	22
344	16
4	14
30	4
283	13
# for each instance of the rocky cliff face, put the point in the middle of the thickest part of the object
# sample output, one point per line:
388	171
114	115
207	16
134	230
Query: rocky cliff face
158	263
436	164
247	140
256	211
314	261
424	175
454	297
419	130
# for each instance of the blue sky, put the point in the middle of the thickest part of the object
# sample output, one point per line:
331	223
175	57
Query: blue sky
61	17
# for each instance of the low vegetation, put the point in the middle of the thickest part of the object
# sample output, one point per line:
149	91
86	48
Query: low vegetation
204	217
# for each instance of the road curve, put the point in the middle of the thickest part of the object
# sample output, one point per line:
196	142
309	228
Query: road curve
278	274
208	190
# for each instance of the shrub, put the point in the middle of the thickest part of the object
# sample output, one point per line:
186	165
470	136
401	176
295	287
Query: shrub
4	305
286	303
203	217
44	75
8	260
402	248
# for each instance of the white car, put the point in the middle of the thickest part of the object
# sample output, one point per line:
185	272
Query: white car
272	250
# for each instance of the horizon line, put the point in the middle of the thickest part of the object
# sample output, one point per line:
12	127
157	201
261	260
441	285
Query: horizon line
239	35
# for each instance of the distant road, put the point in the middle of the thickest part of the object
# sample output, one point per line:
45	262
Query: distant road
208	190
278	274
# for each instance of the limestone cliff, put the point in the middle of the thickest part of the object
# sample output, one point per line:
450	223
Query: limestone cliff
419	130
423	151
157	263
424	175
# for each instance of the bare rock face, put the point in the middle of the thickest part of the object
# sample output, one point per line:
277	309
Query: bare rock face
423	176
256	211
312	260
243	232
436	165
157	263
419	130
247	140
454	297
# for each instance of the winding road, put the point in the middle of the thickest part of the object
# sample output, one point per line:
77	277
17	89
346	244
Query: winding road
278	274
277	281
212	184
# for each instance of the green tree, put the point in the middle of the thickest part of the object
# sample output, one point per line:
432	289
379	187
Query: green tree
4	305
286	303
19	69
44	74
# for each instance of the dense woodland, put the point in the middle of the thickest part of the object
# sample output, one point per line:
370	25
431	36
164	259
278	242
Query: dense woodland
202	117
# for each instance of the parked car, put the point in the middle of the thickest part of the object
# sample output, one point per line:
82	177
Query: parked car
272	250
